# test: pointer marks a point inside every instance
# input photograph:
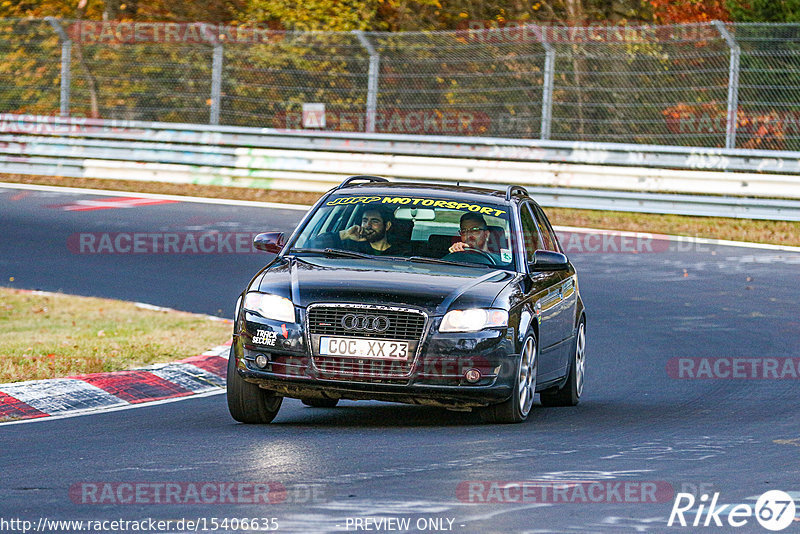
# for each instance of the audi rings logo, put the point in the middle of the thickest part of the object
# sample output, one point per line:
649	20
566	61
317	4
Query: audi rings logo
365	323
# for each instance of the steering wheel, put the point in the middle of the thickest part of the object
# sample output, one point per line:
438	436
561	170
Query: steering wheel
322	241
483	255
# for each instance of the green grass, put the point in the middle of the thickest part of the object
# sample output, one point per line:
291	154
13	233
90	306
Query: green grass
49	336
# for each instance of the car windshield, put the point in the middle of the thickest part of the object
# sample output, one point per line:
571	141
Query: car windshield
415	228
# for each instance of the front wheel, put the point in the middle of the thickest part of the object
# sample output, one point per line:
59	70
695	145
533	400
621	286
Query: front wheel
517	408
570	393
247	402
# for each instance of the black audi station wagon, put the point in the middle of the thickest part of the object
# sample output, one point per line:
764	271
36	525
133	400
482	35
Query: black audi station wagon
439	295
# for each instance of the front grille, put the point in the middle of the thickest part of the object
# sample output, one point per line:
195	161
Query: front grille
403	325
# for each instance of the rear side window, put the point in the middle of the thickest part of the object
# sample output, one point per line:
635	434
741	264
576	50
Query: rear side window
549	238
530	232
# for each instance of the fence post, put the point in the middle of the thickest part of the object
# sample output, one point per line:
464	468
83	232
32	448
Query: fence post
216	73
66	59
216	83
372	80
547	85
733	84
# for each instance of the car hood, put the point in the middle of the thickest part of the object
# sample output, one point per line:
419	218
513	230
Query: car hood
433	288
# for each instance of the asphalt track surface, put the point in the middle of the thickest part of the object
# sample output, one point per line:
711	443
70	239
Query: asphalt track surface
635	423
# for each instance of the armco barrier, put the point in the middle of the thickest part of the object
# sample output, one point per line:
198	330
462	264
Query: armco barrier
316	160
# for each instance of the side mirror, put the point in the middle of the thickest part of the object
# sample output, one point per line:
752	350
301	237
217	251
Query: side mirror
269	242
546	260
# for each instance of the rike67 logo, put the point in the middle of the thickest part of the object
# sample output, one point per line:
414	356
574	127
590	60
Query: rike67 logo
774	510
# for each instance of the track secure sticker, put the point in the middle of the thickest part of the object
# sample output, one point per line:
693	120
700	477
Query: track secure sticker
413	201
263	337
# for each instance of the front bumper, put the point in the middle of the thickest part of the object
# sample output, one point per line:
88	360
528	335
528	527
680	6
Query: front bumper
436	376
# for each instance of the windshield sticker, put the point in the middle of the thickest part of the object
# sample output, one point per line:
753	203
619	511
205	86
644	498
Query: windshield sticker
426	202
505	255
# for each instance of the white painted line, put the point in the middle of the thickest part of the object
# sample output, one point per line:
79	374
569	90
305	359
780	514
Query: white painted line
142	305
275	205
60	395
218	391
153	307
178	198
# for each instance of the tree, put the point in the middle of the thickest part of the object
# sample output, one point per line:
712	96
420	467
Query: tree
687	11
764	10
214	11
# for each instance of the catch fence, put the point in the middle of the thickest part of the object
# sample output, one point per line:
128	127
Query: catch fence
697	85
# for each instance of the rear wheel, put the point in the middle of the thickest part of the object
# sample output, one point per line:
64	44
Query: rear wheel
517	408
247	402
320	403
570	393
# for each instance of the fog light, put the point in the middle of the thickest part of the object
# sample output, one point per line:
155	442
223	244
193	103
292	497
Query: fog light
261	361
472	375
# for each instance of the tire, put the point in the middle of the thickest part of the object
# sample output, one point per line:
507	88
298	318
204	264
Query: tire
320	403
247	402
517	408
570	393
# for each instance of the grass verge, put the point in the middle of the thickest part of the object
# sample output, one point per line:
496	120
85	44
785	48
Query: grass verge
774	232
55	335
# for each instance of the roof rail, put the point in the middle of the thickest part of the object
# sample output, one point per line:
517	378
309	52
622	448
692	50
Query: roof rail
361	178
515	189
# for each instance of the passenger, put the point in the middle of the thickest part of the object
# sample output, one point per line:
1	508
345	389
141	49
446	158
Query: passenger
474	233
370	236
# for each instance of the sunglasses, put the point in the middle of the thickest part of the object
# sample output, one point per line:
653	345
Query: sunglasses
474	230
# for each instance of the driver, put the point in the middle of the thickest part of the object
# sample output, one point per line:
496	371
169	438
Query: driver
474	233
370	236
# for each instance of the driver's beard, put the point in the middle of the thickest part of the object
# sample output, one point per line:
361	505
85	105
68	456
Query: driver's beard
376	236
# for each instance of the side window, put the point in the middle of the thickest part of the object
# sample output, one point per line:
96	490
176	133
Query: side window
529	232
549	239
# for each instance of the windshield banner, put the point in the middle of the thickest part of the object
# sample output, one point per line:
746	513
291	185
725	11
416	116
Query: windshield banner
422	202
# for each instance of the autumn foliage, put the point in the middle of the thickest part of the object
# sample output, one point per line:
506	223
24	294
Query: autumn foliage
687	11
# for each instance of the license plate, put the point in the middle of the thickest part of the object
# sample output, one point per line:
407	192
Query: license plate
363	348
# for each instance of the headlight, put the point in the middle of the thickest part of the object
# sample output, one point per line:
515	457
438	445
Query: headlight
270	306
473	320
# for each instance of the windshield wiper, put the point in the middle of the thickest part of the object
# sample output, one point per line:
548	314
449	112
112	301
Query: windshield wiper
336	252
423	259
346	253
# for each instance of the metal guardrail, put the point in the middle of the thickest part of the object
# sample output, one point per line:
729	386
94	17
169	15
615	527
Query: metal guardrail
315	161
675	157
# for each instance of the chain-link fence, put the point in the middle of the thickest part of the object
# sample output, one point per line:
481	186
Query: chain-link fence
710	85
